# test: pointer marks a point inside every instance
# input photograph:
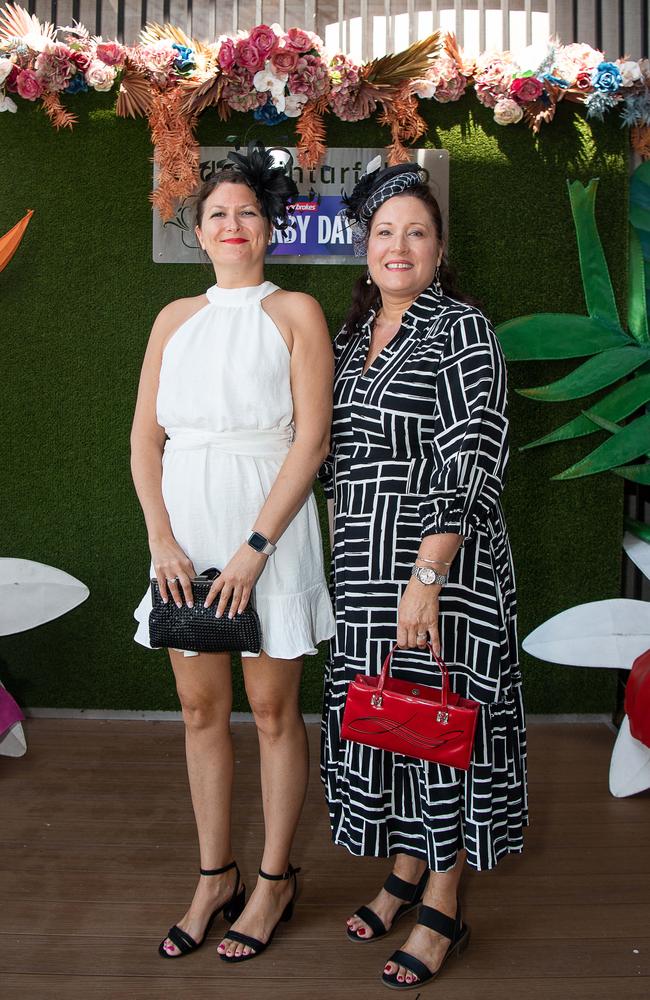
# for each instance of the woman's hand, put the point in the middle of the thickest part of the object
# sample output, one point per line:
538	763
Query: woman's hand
417	616
236	581
174	571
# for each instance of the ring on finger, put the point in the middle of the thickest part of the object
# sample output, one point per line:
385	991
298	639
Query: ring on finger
172	579
420	635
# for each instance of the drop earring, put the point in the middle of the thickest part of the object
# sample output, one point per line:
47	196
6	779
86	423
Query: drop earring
437	287
368	279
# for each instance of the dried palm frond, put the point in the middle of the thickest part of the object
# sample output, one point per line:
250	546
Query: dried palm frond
176	151
154	32
393	70
453	50
405	122
640	137
58	115
197	96
310	127
537	114
134	98
16	22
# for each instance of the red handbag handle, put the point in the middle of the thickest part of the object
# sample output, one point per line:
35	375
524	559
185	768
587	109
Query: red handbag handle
441	664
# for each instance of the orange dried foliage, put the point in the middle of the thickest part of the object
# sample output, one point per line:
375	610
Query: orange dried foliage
640	138
405	123
311	131
176	151
58	115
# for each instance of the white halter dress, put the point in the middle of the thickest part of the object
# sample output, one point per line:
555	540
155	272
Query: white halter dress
224	399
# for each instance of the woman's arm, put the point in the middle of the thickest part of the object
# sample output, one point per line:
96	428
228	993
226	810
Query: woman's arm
312	367
147	442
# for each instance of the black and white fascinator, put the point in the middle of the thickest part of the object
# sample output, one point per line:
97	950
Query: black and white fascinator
375	187
273	186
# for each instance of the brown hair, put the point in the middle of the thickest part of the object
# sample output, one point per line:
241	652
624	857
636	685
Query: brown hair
225	175
367	296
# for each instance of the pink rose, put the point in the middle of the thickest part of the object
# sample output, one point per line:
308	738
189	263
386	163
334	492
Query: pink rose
299	40
249	56
28	85
99	76
451	90
526	88
284	60
264	39
227	54
110	53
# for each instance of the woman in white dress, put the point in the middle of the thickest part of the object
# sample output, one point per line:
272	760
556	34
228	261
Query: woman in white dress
231	425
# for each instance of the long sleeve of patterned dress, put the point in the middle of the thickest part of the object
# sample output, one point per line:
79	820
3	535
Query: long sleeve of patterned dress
470	431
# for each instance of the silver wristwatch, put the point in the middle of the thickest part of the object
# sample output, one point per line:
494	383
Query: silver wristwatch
260	543
428	576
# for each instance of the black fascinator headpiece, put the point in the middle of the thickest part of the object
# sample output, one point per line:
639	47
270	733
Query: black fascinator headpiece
372	190
272	185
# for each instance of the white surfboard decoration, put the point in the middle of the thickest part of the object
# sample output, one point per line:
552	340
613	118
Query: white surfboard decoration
629	769
32	593
607	634
638	551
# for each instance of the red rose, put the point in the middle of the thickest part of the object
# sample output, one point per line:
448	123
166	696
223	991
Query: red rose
583	80
264	39
249	56
299	40
526	88
81	60
11	83
227	54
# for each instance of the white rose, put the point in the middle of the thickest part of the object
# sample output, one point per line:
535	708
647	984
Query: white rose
6	104
507	112
293	105
630	72
99	76
6	67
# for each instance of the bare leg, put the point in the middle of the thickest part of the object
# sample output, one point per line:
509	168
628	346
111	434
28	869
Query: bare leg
384	904
423	943
204	687
273	688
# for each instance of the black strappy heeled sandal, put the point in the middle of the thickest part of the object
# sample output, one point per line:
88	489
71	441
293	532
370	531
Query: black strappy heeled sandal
231	910
454	929
287	913
410	893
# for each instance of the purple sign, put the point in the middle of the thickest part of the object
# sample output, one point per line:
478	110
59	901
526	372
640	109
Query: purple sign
317	229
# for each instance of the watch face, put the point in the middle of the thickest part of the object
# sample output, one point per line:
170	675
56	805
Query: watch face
426	575
257	541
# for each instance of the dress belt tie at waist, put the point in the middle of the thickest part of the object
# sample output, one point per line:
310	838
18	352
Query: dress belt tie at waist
256	444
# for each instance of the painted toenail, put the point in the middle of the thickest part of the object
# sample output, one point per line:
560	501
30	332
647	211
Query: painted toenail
361	931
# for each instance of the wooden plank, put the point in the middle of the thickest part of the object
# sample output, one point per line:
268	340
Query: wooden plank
35	987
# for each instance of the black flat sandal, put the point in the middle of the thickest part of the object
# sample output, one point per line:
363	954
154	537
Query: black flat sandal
458	934
231	910
252	942
410	893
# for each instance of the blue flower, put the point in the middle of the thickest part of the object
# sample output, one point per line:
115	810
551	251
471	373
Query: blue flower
76	84
606	78
557	81
184	61
268	114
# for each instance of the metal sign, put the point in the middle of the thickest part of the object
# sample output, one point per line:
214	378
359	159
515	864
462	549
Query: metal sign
319	234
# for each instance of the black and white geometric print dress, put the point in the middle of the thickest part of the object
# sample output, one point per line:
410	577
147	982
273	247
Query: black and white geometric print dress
419	447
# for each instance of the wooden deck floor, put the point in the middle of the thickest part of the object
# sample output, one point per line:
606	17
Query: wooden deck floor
98	858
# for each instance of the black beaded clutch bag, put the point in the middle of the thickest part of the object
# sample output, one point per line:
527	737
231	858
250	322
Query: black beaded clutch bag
197	629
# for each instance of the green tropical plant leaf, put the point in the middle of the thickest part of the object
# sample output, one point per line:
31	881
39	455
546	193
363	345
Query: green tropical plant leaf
599	294
629	443
594	374
640	217
637	314
638	528
635	473
602	422
616	405
543	336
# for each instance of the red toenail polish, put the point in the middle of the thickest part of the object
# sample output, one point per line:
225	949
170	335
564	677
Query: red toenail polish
361	931
387	968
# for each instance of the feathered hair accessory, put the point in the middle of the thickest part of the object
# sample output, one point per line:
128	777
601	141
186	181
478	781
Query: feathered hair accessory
272	185
372	190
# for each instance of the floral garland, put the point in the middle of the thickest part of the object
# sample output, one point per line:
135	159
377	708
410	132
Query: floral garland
170	79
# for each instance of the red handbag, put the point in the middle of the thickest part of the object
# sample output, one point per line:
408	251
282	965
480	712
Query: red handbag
430	723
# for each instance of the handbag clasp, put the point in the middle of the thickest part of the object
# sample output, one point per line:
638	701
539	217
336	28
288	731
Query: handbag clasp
376	701
442	717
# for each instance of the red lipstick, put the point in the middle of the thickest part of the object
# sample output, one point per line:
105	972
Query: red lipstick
235	240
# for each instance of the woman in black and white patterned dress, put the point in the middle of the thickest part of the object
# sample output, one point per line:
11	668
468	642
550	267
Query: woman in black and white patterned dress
419	452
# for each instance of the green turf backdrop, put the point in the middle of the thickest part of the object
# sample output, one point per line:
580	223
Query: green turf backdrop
77	302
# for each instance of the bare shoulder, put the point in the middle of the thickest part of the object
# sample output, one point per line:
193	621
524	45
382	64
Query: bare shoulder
298	310
173	315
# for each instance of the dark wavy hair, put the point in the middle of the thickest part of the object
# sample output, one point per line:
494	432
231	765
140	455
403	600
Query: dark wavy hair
367	296
273	188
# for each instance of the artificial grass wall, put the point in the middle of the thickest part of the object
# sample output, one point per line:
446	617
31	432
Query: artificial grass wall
76	305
